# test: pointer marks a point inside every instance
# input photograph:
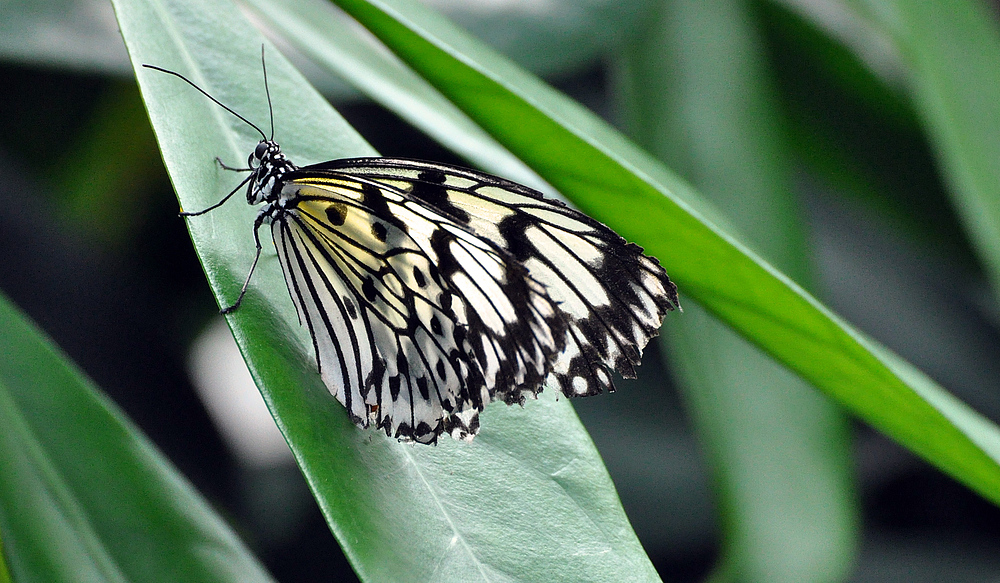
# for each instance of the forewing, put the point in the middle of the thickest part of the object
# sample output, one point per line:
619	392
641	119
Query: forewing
416	324
610	297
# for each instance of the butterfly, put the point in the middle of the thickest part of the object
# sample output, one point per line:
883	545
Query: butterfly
431	290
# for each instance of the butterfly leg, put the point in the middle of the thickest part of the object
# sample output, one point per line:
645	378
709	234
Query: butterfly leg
184	213
256	237
225	166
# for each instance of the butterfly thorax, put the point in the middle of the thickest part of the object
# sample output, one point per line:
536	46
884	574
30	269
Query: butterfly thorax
269	165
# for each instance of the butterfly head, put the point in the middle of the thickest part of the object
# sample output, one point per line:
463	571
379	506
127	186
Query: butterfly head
269	164
265	154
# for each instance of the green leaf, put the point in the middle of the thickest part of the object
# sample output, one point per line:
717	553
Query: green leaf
551	40
4	572
613	180
528	500
83	495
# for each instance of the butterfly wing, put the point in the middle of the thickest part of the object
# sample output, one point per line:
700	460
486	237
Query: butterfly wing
417	324
610	297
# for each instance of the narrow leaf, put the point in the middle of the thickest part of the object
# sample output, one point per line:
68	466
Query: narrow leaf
606	175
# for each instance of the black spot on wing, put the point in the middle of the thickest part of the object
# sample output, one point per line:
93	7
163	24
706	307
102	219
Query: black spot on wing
373	200
379	231
368	288
425	393
512	228
349	306
424	431
336	214
402	368
375	376
444	301
430	188
447	265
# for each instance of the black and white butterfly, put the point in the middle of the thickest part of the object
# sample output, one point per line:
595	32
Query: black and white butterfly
431	290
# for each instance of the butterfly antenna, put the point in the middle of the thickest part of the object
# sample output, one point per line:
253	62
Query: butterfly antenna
267	91
214	100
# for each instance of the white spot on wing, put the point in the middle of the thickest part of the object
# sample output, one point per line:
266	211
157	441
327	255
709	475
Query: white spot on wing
570	267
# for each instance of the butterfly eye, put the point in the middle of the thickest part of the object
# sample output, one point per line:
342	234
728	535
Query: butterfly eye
260	150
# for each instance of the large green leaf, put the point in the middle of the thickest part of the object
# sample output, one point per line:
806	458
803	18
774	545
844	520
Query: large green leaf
83	495
528	500
609	177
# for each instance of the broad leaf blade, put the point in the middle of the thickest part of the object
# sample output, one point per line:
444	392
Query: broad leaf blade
528	500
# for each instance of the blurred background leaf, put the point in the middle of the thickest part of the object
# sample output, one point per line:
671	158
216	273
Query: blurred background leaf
79	35
83	494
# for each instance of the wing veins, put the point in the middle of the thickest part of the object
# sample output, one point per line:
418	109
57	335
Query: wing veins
320	309
347	260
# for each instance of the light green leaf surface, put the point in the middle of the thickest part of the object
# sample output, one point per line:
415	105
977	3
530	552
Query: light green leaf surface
4	571
83	495
528	500
552	38
609	177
